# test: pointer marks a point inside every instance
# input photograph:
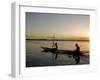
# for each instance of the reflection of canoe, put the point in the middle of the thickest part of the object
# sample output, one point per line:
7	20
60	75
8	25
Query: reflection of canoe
68	52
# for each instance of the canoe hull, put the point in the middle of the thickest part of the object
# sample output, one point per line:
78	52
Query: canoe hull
46	49
55	51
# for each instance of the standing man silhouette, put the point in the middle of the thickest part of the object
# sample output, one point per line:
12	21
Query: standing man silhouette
56	47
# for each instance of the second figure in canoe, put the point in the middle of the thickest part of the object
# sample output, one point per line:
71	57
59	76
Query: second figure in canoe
76	54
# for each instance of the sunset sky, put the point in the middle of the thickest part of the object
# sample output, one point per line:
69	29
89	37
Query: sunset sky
64	26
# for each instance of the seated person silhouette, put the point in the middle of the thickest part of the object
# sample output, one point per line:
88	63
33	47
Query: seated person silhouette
76	54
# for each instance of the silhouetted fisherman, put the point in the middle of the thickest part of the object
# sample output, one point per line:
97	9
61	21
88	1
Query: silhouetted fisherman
76	54
56	48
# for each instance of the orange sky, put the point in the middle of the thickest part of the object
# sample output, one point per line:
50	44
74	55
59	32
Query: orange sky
64	26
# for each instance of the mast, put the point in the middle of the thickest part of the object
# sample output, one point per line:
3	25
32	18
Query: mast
53	40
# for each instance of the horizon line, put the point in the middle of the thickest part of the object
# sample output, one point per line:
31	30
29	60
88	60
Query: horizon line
58	39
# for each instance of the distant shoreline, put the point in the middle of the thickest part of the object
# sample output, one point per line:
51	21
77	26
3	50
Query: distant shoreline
55	40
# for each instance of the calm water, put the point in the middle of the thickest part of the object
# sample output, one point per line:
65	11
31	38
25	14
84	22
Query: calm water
35	56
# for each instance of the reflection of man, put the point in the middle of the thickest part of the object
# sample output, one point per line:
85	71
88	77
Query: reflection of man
76	54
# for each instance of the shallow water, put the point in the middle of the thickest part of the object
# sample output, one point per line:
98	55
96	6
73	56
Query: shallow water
35	56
